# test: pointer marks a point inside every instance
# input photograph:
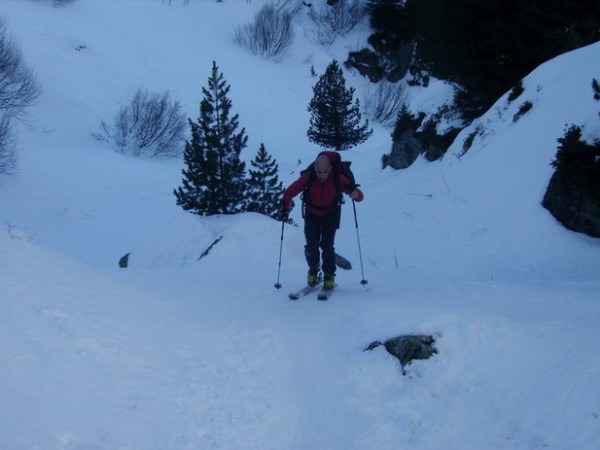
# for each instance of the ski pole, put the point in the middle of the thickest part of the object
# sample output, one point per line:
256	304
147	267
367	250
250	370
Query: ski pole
278	284
363	281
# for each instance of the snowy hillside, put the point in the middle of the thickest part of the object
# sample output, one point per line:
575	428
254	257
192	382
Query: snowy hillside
177	352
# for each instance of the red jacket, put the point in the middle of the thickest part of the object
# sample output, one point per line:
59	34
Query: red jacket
322	195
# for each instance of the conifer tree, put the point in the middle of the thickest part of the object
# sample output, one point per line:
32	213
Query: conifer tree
264	187
335	118
214	182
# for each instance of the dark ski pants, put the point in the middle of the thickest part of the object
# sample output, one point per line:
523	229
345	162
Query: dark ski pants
320	232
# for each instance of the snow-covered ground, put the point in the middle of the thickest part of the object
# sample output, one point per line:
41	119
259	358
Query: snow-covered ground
177	352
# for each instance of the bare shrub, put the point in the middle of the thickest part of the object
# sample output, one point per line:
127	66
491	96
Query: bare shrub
59	3
18	90
270	34
384	101
8	146
184	2
336	19
151	125
18	87
292	7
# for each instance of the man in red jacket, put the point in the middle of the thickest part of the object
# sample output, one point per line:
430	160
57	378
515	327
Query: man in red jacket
322	203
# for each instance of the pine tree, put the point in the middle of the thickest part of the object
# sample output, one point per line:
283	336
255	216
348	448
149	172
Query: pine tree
335	119
214	182
264	187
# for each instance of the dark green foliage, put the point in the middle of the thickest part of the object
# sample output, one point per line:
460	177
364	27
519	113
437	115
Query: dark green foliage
430	143
516	92
393	37
214	182
335	118
596	88
406	121
367	62
391	17
576	155
570	148
486	46
435	144
525	106
264	187
418	77
392	23
579	159
573	193
385	160
468	142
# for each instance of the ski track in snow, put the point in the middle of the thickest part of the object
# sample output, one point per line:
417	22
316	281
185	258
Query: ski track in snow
224	369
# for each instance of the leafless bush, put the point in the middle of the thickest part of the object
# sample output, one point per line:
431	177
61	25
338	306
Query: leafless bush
151	125
8	146
59	3
18	87
184	2
18	90
292	7
336	19
384	101
270	34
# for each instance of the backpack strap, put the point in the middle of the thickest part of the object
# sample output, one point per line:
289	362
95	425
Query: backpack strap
339	198
305	197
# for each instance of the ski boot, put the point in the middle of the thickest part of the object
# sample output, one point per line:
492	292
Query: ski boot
312	278
329	281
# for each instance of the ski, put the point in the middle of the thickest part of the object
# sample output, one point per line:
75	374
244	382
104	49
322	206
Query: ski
325	294
304	291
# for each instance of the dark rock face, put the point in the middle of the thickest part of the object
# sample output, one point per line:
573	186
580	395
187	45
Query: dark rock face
367	64
389	59
405	150
573	203
409	143
407	348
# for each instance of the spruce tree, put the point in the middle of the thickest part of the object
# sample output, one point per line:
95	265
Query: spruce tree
214	182
335	118
264	187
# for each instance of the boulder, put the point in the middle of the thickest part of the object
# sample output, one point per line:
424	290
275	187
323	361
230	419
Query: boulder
366	63
574	202
407	348
405	150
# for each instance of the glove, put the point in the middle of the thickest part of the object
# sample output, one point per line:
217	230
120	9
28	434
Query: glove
283	215
284	211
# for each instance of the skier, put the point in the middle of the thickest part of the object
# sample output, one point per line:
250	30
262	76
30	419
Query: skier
322	185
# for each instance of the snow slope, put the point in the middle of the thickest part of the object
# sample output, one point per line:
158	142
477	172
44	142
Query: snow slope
177	352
